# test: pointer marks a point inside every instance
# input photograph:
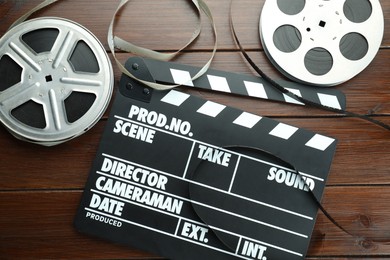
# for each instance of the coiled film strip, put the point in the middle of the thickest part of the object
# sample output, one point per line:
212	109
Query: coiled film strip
323	43
56	80
116	42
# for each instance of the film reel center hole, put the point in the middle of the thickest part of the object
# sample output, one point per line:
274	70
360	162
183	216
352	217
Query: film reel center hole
320	24
49	78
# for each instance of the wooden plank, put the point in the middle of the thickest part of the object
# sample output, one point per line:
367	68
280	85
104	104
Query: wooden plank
38	224
26	166
362	211
362	156
148	22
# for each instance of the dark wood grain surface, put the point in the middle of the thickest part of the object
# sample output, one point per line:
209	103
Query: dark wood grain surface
40	187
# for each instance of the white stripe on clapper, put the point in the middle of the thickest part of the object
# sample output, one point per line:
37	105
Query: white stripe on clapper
320	142
255	89
329	100
283	131
218	83
292	100
247	120
181	77
211	109
175	98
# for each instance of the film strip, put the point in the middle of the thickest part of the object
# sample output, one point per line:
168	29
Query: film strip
147	181
56	79
116	42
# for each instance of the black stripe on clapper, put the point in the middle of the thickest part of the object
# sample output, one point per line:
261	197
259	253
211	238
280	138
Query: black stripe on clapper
252	86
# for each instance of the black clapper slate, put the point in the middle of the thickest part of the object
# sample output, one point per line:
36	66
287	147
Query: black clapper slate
171	177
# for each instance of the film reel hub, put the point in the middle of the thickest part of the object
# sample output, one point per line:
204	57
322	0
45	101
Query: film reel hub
323	25
319	42
57	80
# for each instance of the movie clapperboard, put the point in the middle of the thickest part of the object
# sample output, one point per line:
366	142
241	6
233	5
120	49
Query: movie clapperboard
187	178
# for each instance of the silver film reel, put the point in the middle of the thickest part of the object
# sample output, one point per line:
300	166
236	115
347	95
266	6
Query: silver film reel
56	80
321	42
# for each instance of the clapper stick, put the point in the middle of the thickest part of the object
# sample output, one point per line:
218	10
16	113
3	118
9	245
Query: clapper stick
234	83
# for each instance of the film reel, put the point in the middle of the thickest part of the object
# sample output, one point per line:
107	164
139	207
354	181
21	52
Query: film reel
323	43
56	80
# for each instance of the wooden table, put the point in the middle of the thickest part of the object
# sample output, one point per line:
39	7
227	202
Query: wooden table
40	187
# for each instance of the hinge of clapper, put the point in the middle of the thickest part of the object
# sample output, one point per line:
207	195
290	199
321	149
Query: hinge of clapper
132	88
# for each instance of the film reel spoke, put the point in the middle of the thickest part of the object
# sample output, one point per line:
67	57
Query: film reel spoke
83	79
83	83
17	95
27	57
56	114
63	47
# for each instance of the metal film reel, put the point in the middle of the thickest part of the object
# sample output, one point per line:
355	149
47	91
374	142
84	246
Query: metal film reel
321	42
56	80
